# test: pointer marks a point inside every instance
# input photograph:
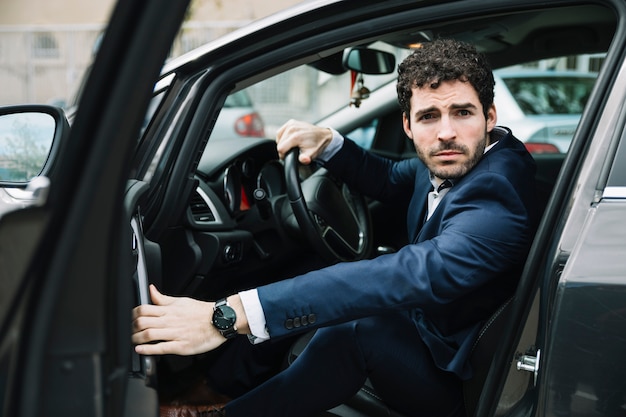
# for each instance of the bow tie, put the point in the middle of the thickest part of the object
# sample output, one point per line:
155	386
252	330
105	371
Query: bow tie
445	184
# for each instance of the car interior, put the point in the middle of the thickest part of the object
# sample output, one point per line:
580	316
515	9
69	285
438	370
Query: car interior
233	224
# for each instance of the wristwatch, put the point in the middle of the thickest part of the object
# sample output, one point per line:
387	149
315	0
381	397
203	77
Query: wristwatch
224	319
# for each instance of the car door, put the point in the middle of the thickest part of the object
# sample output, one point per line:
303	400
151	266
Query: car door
584	329
65	347
564	353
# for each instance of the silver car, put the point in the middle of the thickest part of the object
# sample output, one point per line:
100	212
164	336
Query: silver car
542	107
238	118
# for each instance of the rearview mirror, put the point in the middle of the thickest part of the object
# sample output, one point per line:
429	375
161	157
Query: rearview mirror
369	61
27	135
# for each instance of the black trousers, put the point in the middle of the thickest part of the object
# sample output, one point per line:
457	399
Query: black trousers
335	364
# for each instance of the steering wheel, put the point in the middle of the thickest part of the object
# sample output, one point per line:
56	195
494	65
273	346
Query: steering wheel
334	219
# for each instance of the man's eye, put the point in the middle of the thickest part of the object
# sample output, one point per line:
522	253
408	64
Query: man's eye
427	116
464	112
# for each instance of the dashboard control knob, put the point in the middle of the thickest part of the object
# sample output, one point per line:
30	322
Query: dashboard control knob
262	202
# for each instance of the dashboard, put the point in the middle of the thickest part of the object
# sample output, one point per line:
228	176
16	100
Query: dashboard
239	230
242	174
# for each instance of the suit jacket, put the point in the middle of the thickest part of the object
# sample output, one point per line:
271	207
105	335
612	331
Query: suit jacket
460	266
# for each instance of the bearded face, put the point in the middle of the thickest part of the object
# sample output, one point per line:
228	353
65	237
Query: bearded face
448	127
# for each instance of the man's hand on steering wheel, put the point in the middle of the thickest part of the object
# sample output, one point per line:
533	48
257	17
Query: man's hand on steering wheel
310	139
333	218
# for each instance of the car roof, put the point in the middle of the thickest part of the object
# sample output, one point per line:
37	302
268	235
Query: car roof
506	39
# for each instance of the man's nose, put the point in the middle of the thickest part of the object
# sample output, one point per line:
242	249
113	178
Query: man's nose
446	129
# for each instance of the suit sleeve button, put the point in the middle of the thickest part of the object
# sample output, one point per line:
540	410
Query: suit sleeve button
289	324
296	322
312	318
304	320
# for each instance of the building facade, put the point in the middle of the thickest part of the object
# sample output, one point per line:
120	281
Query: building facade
46	45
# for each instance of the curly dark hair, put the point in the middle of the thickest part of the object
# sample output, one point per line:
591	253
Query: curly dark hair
445	60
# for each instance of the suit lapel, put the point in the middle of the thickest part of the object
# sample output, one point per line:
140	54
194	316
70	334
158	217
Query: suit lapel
418	208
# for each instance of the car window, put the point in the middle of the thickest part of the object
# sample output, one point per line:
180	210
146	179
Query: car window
307	92
238	99
540	101
550	94
364	135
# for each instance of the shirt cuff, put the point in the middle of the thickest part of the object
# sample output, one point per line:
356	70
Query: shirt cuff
333	147
255	315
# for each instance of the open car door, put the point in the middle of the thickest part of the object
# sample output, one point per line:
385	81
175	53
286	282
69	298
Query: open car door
68	261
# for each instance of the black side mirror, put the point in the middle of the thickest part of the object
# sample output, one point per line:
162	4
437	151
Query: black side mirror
369	61
29	135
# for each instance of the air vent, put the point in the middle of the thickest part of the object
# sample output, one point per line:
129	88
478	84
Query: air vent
200	209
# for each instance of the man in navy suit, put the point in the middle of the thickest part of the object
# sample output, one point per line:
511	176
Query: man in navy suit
405	320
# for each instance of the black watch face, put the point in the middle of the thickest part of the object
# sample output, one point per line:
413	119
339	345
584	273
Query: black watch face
224	317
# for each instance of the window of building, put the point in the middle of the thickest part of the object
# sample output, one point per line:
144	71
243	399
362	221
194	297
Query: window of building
44	45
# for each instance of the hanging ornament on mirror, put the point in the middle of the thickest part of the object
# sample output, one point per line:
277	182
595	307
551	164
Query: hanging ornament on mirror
359	91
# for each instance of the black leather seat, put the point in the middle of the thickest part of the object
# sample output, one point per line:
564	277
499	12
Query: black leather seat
368	403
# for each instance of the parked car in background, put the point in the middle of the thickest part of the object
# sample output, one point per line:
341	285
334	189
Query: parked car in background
238	118
542	107
138	189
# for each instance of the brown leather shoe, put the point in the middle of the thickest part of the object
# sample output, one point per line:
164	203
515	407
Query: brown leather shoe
190	410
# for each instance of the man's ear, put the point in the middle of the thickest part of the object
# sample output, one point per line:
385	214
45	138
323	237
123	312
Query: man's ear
492	118
406	124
